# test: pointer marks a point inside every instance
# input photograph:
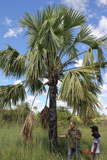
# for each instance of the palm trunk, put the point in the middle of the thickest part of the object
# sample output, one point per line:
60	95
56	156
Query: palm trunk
52	118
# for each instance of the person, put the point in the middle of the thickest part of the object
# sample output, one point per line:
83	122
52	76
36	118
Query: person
95	149
75	137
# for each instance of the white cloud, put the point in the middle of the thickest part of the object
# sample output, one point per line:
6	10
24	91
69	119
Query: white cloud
17	82
101	2
103	105
79	63
104	87
8	21
61	103
36	103
100	100
13	32
30	100
103	95
105	78
76	4
101	29
104	109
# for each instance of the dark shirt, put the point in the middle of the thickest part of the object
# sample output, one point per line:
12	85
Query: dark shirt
73	141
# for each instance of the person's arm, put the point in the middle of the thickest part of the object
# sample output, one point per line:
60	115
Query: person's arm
62	136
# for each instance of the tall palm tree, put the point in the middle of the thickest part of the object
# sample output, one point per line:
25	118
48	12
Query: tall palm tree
54	35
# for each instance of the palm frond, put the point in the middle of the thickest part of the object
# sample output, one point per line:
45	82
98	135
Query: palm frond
36	65
73	18
28	127
11	94
78	87
44	117
12	63
85	36
35	85
29	22
96	57
52	39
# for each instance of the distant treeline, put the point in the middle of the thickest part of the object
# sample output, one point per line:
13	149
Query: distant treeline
19	114
16	115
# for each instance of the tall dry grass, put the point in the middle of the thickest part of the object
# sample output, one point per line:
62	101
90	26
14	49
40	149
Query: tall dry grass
12	146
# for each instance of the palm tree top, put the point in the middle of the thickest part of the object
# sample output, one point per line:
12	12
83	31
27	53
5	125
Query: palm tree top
54	34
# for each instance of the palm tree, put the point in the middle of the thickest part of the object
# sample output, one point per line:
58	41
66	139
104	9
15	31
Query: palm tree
54	35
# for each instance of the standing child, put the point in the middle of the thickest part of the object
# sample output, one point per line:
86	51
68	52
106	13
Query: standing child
95	149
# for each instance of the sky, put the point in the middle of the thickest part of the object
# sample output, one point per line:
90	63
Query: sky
11	33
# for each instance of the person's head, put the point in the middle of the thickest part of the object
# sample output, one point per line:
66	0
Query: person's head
72	124
94	129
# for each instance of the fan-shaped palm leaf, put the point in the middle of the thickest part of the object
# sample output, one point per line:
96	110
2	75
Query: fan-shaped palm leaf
11	94
78	88
12	63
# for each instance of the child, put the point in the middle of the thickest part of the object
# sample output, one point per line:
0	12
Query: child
95	149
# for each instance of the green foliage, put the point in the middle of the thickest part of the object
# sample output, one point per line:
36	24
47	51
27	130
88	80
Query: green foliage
11	94
64	116
12	63
17	115
80	92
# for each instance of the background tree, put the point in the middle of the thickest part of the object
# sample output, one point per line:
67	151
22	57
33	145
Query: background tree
55	35
18	114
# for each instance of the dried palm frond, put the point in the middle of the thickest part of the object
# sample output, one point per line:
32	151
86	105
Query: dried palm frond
28	126
44	117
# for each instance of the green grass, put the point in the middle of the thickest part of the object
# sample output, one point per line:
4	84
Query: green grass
12	146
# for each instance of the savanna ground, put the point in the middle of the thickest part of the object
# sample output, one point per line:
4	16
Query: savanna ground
12	146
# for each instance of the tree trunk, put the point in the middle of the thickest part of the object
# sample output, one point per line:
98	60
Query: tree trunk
52	118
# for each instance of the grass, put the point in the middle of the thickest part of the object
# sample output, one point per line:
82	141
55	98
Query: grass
12	146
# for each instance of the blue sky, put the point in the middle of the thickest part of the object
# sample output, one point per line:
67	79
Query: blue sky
11	32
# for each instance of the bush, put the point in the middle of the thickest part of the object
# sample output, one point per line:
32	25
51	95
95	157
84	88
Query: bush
14	115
